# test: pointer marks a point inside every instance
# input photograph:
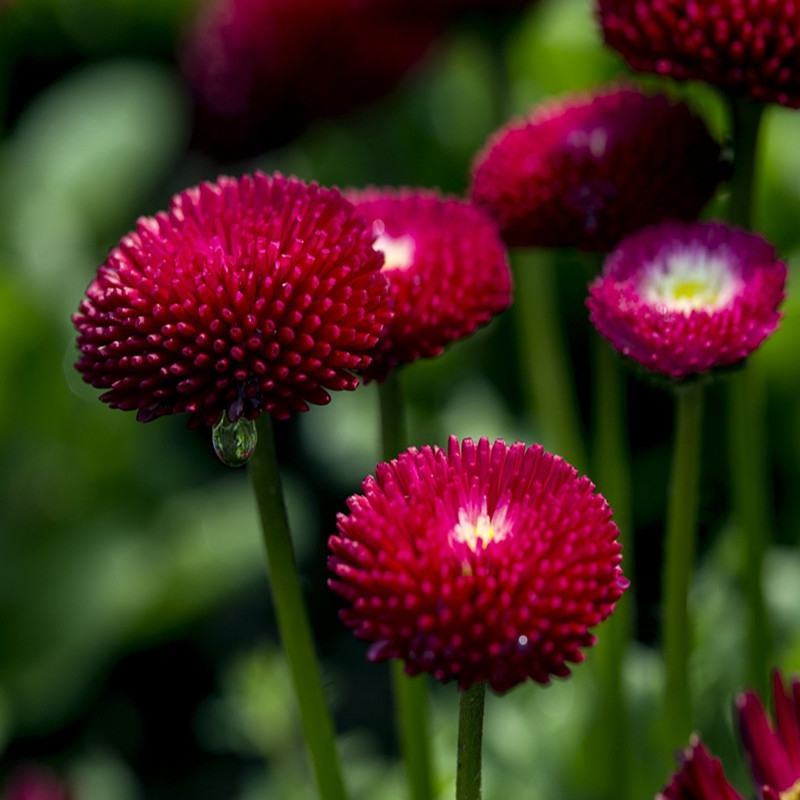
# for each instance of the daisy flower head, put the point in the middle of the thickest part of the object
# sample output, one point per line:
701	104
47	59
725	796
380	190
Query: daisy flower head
682	299
481	562
446	266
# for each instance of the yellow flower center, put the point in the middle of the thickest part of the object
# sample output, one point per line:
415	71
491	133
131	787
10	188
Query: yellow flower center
792	793
479	529
689	281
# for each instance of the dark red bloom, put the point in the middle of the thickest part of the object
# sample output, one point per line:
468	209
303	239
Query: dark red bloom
682	299
33	783
261	70
586	171
773	750
749	47
446	266
257	294
483	562
700	777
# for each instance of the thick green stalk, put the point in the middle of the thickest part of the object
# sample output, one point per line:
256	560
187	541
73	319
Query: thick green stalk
470	742
681	536
293	623
611	471
410	694
544	358
747	435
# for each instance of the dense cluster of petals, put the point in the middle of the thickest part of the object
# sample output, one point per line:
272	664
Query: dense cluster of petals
750	47
446	266
481	562
585	171
773	749
260	70
700	777
257	294
682	299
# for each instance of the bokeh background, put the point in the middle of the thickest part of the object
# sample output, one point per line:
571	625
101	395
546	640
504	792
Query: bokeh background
138	654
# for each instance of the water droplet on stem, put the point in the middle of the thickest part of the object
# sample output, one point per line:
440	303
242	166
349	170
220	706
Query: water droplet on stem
234	442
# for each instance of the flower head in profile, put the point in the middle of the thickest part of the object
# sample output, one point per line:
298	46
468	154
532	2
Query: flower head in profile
773	747
749	48
479	563
683	299
261	294
700	777
446	266
586	171
261	70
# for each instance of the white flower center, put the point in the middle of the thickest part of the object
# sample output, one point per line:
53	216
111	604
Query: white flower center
478	528
398	251
690	280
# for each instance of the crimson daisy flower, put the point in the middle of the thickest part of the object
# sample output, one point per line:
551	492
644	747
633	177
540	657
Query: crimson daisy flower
250	295
261	70
749	48
700	777
682	299
482	562
773	750
446	266
585	171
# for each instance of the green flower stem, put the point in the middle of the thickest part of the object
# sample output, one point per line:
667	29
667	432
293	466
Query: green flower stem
293	623
470	742
410	694
544	361
611	471
681	538
747	435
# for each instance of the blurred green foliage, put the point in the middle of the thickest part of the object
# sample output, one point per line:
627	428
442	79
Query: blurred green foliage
118	540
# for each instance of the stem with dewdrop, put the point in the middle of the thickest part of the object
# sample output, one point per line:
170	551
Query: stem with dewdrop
680	544
747	435
470	742
293	622
410	694
544	359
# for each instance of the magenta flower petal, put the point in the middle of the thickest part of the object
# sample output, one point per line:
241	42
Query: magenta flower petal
482	562
586	171
683	299
249	295
700	777
773	750
751	48
34	783
446	266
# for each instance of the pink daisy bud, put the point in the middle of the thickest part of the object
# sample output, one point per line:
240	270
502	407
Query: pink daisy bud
446	266
773	749
585	171
257	294
261	70
746	47
700	777
683	299
483	562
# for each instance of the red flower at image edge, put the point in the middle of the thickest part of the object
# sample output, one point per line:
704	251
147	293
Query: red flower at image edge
700	777
746	47
482	562
261	70
446	266
34	783
586	171
250	295
683	299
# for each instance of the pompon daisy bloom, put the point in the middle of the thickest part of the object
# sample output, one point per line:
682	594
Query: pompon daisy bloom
261	70
261	294
773	749
683	299
446	266
479	563
585	171
700	777
749	48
